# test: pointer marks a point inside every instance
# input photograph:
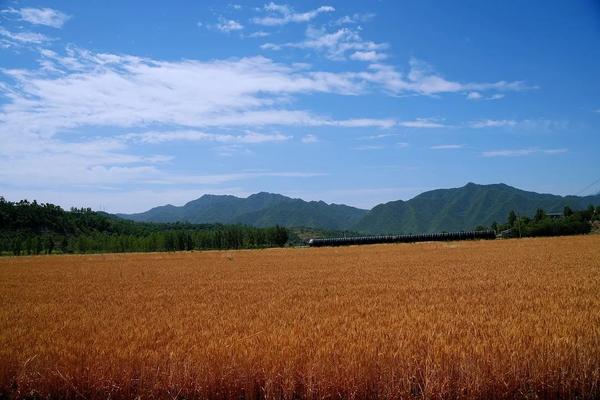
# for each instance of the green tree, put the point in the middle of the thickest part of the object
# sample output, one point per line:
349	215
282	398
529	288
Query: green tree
49	244
512	218
539	215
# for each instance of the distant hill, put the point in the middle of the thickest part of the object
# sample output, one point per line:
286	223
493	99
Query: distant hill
261	210
462	208
434	211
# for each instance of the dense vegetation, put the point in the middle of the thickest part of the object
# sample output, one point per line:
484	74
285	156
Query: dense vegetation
569	223
462	209
434	211
260	210
36	228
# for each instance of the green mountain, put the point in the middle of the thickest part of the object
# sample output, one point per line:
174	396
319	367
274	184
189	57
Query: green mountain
462	209
439	210
261	210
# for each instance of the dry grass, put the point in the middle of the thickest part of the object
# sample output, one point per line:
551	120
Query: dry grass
502	319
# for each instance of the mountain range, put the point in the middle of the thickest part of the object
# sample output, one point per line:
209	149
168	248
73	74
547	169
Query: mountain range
438	210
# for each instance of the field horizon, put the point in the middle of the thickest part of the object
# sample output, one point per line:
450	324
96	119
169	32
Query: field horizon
477	319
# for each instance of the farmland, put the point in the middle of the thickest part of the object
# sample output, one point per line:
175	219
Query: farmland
481	319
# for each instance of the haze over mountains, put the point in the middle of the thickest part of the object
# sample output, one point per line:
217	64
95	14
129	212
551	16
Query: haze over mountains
433	211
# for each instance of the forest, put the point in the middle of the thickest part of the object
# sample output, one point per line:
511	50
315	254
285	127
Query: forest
568	222
42	228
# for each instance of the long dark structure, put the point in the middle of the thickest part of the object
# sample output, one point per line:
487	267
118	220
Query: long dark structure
424	237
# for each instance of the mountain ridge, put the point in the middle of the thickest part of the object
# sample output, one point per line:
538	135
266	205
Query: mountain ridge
259	209
436	210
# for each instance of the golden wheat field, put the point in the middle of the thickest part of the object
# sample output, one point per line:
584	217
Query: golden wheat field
482	319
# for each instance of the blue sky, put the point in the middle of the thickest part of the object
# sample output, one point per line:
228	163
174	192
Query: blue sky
123	106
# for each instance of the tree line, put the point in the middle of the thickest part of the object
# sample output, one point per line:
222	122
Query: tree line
43	228
569	222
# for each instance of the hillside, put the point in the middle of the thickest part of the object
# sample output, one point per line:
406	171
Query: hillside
462	208
434	211
261	209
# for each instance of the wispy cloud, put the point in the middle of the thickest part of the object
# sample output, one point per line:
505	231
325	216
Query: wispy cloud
479	96
422	123
125	91
79	89
493	123
531	125
522	152
369	56
379	136
259	34
228	25
422	79
23	37
310	138
281	14
447	147
354	19
156	137
335	45
40	16
363	123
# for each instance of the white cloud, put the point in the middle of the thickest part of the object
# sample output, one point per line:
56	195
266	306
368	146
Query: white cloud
353	19
335	45
522	152
422	79
124	91
47	112
258	34
493	123
156	137
447	147
402	145
379	136
310	138
41	16
363	123
283	14
422	123
367	56
474	96
23	37
525	125
228	25
554	151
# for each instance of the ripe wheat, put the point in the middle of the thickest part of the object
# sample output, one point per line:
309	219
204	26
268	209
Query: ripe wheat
493	319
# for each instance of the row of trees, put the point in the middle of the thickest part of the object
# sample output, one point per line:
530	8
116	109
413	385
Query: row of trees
33	228
541	224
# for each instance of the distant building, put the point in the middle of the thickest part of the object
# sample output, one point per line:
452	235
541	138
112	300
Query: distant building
554	215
